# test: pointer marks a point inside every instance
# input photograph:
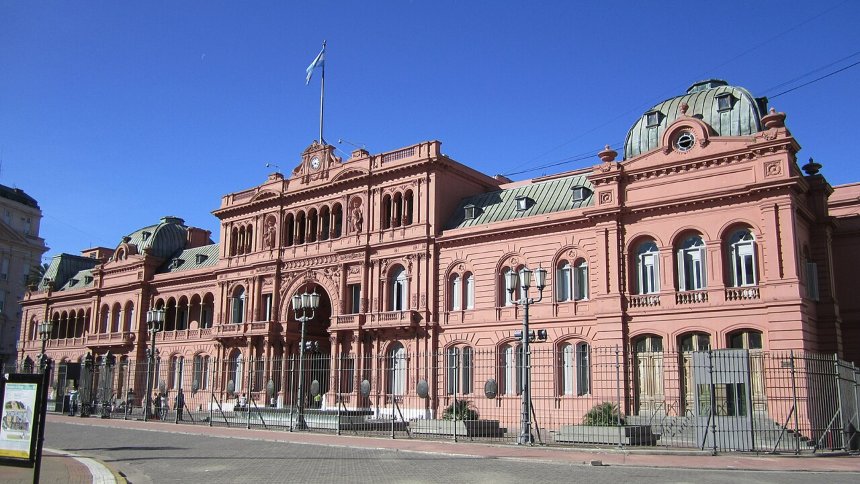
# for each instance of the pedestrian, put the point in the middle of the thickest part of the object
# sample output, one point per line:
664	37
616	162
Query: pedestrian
180	405
242	401
164	406
73	402
156	400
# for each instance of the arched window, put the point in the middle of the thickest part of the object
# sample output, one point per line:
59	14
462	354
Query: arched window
249	239
312	225
207	310
575	369
580	280
235	370
300	226
238	309
289	230
647	268
176	369
470	290
511	367
691	264
398	210
234	241
407	207
507	297
399	290
200	378
459	363
182	314
742	258
694	342
386	212
337	220
104	326
325	223
648	355
748	339
396	369
455	293
563	282
128	324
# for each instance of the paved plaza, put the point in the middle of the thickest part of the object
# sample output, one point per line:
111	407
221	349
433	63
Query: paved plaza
161	452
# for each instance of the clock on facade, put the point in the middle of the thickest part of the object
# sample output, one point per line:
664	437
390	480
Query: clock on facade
315	162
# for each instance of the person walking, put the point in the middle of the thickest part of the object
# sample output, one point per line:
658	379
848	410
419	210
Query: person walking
165	408
180	405
73	402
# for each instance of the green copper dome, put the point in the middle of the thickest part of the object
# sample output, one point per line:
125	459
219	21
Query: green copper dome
728	110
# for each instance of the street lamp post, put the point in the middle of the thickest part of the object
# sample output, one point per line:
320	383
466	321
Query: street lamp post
525	282
45	330
154	324
302	305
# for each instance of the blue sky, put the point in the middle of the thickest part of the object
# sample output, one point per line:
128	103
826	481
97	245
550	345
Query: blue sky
113	114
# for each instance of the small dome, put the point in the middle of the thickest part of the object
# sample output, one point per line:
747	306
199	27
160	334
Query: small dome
161	240
728	110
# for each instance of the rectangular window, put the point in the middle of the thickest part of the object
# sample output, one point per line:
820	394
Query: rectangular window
452	367
354	298
455	294
580	282
470	291
4	269
267	307
812	281
2	301
562	283
648	274
583	370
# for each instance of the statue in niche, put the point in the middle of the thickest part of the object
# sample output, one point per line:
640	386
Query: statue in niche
269	233
356	217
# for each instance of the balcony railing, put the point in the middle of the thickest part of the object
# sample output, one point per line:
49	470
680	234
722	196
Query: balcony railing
120	338
391	319
691	297
349	320
742	293
644	300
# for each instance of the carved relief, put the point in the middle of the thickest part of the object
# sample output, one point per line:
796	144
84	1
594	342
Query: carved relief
772	168
605	197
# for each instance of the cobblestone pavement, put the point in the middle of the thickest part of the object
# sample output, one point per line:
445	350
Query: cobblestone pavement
159	453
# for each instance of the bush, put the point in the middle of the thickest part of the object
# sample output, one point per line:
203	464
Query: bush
460	410
604	414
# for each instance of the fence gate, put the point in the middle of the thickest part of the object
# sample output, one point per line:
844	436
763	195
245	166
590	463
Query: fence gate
723	400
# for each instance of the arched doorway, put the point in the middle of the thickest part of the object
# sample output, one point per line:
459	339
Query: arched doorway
311	363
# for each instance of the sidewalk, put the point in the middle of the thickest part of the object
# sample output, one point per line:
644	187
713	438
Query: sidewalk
691	459
61	467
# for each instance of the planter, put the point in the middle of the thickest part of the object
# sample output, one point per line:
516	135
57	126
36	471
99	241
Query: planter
466	428
589	434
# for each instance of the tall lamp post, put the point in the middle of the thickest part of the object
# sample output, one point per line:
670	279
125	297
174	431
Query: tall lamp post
525	283
45	330
154	324
304	309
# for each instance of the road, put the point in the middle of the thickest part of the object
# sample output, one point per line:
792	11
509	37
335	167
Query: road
183	454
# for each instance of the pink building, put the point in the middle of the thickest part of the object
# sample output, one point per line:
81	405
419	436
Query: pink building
705	235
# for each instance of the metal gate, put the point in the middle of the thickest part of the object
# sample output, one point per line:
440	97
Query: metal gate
723	400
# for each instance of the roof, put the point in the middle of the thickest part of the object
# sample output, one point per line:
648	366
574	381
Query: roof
18	195
161	240
81	279
742	119
546	197
190	259
63	266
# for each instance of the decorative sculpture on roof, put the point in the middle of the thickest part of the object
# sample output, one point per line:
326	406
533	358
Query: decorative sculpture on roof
269	233
355	217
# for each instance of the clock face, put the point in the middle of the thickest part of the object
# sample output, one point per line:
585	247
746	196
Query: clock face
315	162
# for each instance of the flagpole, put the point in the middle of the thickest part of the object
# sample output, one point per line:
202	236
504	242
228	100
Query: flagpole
322	96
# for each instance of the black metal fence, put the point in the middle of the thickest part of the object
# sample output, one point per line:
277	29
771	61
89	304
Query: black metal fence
712	400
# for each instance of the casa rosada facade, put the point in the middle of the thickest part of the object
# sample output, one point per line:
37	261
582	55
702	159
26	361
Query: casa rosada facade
705	233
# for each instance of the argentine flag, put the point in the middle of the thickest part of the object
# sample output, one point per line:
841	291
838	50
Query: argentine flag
319	61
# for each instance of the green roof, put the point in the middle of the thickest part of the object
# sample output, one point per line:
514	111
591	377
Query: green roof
81	279
544	197
742	119
63	267
190	259
161	240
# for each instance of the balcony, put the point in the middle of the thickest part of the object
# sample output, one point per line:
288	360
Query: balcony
644	300
742	293
186	334
391	319
349	321
685	298
120	338
253	328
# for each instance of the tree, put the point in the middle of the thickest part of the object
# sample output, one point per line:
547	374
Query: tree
37	272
